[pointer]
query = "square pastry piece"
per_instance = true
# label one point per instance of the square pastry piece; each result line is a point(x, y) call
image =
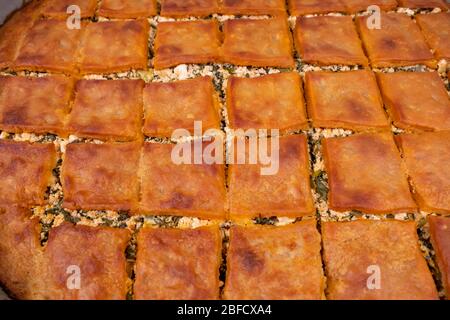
point(416, 4)
point(185, 189)
point(189, 8)
point(38, 105)
point(114, 46)
point(353, 6)
point(349, 100)
point(365, 173)
point(280, 187)
point(267, 262)
point(254, 7)
point(177, 105)
point(186, 42)
point(49, 46)
point(268, 102)
point(101, 176)
point(427, 158)
point(398, 42)
point(326, 40)
point(375, 260)
point(440, 239)
point(176, 264)
point(127, 9)
point(96, 254)
point(436, 29)
point(302, 7)
point(416, 100)
point(107, 109)
point(25, 172)
point(58, 8)
point(259, 43)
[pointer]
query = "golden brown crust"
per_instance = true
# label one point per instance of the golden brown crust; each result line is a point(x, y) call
point(427, 157)
point(352, 250)
point(37, 105)
point(98, 252)
point(423, 4)
point(49, 46)
point(285, 193)
point(183, 103)
point(416, 100)
point(114, 46)
point(399, 42)
point(20, 252)
point(348, 100)
point(176, 264)
point(364, 173)
point(101, 176)
point(268, 102)
point(58, 8)
point(353, 6)
point(25, 172)
point(107, 109)
point(435, 29)
point(186, 8)
point(120, 9)
point(186, 189)
point(328, 40)
point(13, 31)
point(267, 262)
point(254, 7)
point(302, 7)
point(259, 43)
point(186, 42)
point(440, 239)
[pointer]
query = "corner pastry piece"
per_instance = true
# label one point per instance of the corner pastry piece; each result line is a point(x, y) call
point(107, 109)
point(440, 239)
point(254, 7)
point(186, 42)
point(176, 264)
point(326, 40)
point(435, 28)
point(415, 4)
point(398, 42)
point(416, 100)
point(268, 102)
point(38, 105)
point(177, 105)
point(282, 190)
point(187, 189)
point(348, 100)
point(365, 174)
point(95, 254)
point(13, 31)
point(58, 8)
point(101, 176)
point(20, 253)
point(427, 157)
point(259, 43)
point(375, 260)
point(114, 46)
point(187, 8)
point(302, 7)
point(25, 171)
point(267, 262)
point(49, 46)
point(121, 9)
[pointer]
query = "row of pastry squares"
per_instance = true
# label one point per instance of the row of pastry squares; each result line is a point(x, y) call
point(114, 109)
point(363, 259)
point(114, 46)
point(120, 9)
point(367, 172)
